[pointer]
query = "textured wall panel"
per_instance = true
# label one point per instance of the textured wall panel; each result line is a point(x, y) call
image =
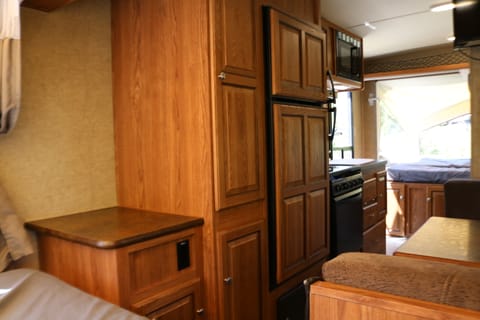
point(60, 157)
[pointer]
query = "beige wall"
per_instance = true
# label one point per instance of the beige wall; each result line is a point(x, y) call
point(60, 157)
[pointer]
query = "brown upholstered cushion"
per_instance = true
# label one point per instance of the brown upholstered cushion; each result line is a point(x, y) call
point(420, 279)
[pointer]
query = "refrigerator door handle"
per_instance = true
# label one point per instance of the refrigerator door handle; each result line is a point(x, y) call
point(331, 99)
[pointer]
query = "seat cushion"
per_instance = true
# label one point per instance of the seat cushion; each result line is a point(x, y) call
point(432, 281)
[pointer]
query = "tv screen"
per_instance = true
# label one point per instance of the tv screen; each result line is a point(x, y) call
point(466, 23)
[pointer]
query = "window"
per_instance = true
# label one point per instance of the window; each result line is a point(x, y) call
point(343, 136)
point(424, 117)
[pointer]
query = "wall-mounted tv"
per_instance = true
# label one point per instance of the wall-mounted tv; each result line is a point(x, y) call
point(466, 23)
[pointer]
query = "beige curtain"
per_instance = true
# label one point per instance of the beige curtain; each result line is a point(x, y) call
point(9, 64)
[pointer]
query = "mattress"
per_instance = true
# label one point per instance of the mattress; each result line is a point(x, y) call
point(429, 170)
point(32, 294)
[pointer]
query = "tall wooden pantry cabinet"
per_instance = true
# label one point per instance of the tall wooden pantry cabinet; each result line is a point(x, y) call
point(189, 116)
point(189, 133)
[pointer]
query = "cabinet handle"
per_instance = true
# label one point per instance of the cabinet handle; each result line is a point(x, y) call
point(429, 199)
point(227, 280)
point(222, 75)
point(200, 311)
point(401, 197)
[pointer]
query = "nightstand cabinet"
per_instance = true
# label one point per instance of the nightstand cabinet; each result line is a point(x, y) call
point(147, 262)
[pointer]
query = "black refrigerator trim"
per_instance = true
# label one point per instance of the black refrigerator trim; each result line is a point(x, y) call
point(270, 100)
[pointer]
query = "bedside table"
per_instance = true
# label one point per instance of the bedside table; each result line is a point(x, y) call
point(147, 262)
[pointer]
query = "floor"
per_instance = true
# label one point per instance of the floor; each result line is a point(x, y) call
point(393, 243)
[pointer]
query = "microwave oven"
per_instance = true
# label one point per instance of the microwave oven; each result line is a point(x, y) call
point(348, 62)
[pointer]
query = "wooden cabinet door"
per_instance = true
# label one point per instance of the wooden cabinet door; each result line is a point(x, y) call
point(239, 143)
point(417, 206)
point(239, 106)
point(301, 188)
point(238, 28)
point(436, 200)
point(240, 270)
point(395, 219)
point(297, 58)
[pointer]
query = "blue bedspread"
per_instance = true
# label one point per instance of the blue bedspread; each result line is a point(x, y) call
point(429, 170)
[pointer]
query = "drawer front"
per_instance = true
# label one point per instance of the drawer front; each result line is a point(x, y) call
point(161, 263)
point(369, 192)
point(374, 238)
point(370, 216)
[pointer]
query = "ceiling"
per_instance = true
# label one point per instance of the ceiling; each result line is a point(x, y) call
point(400, 24)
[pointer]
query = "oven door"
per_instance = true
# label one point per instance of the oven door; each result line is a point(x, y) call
point(346, 227)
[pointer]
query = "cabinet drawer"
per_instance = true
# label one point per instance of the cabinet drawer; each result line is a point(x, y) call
point(374, 238)
point(163, 262)
point(369, 192)
point(370, 216)
point(181, 302)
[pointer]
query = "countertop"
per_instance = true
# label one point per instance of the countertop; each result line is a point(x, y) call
point(114, 227)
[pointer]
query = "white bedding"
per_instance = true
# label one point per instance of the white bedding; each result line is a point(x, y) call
point(32, 294)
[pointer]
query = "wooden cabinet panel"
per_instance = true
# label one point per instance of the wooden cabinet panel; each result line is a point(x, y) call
point(241, 273)
point(369, 191)
point(317, 219)
point(370, 216)
point(182, 304)
point(381, 190)
point(314, 63)
point(374, 238)
point(236, 24)
point(182, 309)
point(373, 202)
point(239, 143)
point(315, 150)
point(301, 188)
point(436, 195)
point(293, 154)
point(290, 236)
point(417, 212)
point(307, 10)
point(395, 220)
point(419, 201)
point(297, 58)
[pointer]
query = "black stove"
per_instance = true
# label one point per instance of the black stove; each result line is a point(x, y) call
point(346, 184)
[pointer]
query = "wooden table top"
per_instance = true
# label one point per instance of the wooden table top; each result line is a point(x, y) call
point(445, 239)
point(113, 227)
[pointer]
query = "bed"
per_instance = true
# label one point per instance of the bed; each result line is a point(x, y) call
point(415, 191)
point(33, 294)
point(429, 170)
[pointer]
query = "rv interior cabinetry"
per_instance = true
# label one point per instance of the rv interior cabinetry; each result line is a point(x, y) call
point(342, 83)
point(411, 204)
point(115, 254)
point(374, 207)
point(298, 58)
point(189, 132)
point(301, 188)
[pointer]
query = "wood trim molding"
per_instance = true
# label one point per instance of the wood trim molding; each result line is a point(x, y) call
point(417, 72)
